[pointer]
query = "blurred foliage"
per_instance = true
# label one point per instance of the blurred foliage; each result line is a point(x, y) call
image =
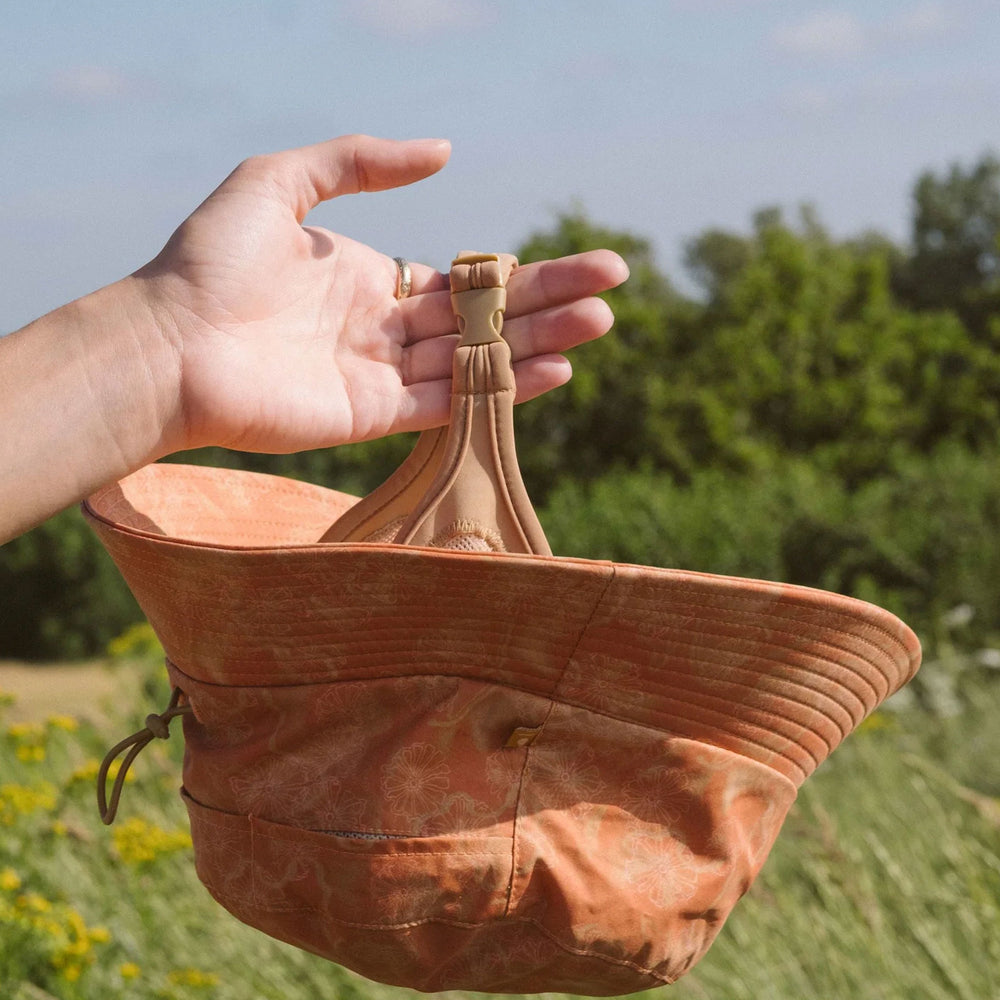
point(955, 263)
point(62, 595)
point(919, 540)
point(827, 412)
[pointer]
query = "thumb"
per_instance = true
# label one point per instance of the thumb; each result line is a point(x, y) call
point(347, 165)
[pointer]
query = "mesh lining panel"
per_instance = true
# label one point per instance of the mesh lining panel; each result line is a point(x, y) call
point(468, 536)
point(387, 532)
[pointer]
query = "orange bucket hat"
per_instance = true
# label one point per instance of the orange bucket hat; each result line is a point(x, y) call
point(421, 746)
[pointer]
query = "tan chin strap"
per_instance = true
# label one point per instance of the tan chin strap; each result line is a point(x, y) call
point(461, 487)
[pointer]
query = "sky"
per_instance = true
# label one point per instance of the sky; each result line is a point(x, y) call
point(659, 117)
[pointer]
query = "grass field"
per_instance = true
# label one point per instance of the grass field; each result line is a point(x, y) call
point(884, 884)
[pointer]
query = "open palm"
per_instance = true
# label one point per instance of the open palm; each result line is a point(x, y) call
point(291, 337)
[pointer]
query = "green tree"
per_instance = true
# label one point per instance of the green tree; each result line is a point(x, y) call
point(615, 412)
point(955, 261)
point(62, 595)
point(803, 349)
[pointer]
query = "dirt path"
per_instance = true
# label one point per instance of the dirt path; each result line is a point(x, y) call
point(43, 689)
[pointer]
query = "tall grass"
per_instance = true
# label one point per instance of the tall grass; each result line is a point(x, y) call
point(884, 884)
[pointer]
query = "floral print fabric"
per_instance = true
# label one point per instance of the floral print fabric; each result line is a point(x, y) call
point(490, 772)
point(395, 813)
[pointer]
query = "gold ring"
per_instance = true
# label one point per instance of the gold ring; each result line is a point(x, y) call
point(405, 281)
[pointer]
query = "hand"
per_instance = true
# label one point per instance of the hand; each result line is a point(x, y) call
point(288, 337)
point(253, 331)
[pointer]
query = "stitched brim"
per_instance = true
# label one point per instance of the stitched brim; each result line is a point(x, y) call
point(224, 565)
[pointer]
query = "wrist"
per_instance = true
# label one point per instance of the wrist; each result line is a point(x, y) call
point(132, 354)
point(88, 394)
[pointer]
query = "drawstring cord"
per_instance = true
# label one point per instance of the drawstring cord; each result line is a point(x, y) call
point(157, 727)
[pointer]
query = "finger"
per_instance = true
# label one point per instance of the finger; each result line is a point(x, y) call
point(531, 288)
point(540, 374)
point(549, 332)
point(553, 282)
point(553, 331)
point(352, 163)
point(428, 404)
point(424, 280)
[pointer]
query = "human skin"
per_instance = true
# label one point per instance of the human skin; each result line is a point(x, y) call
point(252, 331)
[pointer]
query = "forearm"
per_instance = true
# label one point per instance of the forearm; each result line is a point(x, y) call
point(88, 393)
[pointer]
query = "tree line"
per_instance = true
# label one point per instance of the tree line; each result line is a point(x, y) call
point(825, 411)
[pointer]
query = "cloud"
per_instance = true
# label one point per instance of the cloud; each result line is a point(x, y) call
point(838, 34)
point(708, 6)
point(823, 33)
point(90, 84)
point(412, 18)
point(924, 20)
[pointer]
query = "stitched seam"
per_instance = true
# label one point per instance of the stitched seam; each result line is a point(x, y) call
point(586, 953)
point(758, 613)
point(224, 819)
point(161, 540)
point(526, 770)
point(204, 626)
point(688, 645)
point(237, 900)
point(395, 496)
point(583, 632)
point(515, 839)
point(604, 713)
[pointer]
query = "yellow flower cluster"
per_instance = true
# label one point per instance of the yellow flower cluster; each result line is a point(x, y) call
point(22, 800)
point(192, 977)
point(29, 741)
point(137, 641)
point(67, 723)
point(877, 722)
point(64, 936)
point(10, 881)
point(86, 773)
point(137, 842)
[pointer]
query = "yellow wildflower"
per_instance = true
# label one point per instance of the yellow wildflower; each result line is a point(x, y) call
point(56, 928)
point(34, 902)
point(25, 731)
point(10, 881)
point(29, 739)
point(138, 842)
point(136, 641)
point(88, 770)
point(71, 972)
point(59, 828)
point(67, 723)
point(877, 722)
point(129, 970)
point(192, 977)
point(22, 800)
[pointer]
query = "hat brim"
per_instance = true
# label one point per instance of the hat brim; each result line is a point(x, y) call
point(226, 567)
